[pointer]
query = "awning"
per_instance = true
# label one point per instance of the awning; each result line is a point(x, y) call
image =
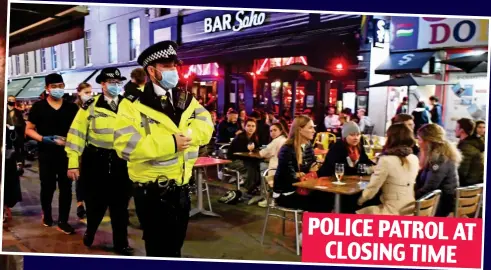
point(265, 45)
point(74, 78)
point(406, 62)
point(33, 89)
point(125, 72)
point(15, 86)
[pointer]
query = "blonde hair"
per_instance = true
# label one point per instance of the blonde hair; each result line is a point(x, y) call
point(294, 137)
point(437, 146)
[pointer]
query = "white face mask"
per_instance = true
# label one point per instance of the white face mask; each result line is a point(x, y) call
point(84, 98)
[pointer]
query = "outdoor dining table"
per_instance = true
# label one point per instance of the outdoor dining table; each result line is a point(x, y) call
point(351, 186)
point(251, 162)
point(204, 162)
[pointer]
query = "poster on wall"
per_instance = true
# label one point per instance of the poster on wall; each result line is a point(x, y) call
point(466, 99)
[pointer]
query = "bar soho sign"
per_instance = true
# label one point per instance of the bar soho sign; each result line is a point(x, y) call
point(238, 23)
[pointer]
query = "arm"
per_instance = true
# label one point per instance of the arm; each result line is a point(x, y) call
point(286, 162)
point(269, 151)
point(376, 181)
point(201, 126)
point(132, 144)
point(31, 123)
point(327, 168)
point(433, 181)
point(76, 138)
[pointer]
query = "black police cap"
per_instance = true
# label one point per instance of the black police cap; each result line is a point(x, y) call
point(162, 52)
point(109, 73)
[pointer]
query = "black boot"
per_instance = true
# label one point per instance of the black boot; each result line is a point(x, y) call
point(88, 239)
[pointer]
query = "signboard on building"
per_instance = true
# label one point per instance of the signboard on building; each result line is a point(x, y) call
point(379, 33)
point(236, 23)
point(419, 33)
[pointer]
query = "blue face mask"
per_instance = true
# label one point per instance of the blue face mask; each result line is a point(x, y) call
point(57, 93)
point(113, 89)
point(170, 78)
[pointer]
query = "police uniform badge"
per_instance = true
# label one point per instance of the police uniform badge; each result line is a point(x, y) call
point(183, 97)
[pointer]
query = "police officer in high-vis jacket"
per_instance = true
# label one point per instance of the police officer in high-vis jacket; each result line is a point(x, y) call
point(159, 134)
point(105, 175)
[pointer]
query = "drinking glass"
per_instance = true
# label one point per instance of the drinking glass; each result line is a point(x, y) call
point(250, 146)
point(362, 170)
point(339, 171)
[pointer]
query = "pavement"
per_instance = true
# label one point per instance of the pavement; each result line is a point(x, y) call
point(235, 235)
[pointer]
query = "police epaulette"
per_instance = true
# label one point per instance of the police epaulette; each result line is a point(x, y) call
point(131, 96)
point(87, 103)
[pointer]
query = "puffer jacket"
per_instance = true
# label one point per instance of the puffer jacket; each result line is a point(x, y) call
point(286, 172)
point(471, 170)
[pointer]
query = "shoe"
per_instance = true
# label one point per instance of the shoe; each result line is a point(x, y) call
point(254, 200)
point(88, 239)
point(65, 228)
point(126, 251)
point(81, 212)
point(47, 222)
point(241, 182)
point(232, 180)
point(263, 203)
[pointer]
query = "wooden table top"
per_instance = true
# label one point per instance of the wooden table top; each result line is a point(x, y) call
point(254, 154)
point(208, 161)
point(325, 184)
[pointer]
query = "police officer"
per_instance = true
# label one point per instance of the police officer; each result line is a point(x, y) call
point(105, 176)
point(159, 134)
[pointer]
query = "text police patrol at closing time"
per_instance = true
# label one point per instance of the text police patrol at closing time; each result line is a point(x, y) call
point(225, 22)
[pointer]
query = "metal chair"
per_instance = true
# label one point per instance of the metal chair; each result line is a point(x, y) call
point(428, 204)
point(271, 206)
point(468, 201)
point(223, 153)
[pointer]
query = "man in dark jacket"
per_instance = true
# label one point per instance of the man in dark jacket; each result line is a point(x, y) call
point(436, 111)
point(471, 170)
point(228, 128)
point(15, 130)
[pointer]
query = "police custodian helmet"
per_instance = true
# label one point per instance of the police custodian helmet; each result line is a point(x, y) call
point(162, 52)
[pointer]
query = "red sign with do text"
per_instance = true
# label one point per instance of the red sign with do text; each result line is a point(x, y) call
point(392, 240)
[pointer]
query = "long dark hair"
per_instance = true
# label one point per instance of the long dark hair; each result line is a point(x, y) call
point(281, 128)
point(254, 135)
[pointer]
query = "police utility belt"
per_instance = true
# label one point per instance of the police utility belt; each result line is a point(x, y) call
point(162, 186)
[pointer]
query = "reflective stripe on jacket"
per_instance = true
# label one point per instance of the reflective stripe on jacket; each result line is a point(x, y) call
point(145, 138)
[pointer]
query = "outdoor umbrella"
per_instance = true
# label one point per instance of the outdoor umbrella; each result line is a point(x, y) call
point(470, 64)
point(410, 80)
point(295, 70)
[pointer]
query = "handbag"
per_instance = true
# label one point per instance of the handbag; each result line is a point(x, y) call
point(305, 191)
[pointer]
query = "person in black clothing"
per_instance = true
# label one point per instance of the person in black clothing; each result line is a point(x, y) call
point(228, 128)
point(436, 111)
point(421, 116)
point(350, 152)
point(403, 107)
point(471, 169)
point(15, 130)
point(262, 128)
point(48, 123)
point(439, 160)
point(407, 120)
point(246, 142)
point(295, 159)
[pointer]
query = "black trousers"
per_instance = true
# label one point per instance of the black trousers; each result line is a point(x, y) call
point(106, 184)
point(53, 168)
point(79, 190)
point(164, 219)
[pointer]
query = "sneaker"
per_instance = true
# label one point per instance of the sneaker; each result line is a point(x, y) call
point(242, 181)
point(233, 179)
point(254, 200)
point(81, 212)
point(47, 222)
point(263, 203)
point(65, 228)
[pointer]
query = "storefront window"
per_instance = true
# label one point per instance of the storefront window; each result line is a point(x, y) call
point(209, 69)
point(263, 65)
point(200, 80)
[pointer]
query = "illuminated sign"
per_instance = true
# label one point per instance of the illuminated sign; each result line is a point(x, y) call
point(379, 33)
point(240, 22)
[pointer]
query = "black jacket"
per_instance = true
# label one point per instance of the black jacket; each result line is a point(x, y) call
point(239, 144)
point(226, 131)
point(471, 170)
point(421, 118)
point(338, 153)
point(439, 174)
point(263, 133)
point(286, 172)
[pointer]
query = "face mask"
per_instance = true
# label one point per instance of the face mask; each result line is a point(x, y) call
point(113, 89)
point(11, 103)
point(170, 78)
point(57, 93)
point(84, 98)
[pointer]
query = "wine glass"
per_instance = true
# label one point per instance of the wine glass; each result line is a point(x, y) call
point(362, 170)
point(250, 146)
point(339, 171)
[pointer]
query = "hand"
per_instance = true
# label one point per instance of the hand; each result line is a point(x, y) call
point(238, 132)
point(73, 174)
point(60, 142)
point(300, 174)
point(360, 201)
point(182, 142)
point(49, 140)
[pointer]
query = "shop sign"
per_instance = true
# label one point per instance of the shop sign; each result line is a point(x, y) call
point(379, 33)
point(413, 33)
point(237, 23)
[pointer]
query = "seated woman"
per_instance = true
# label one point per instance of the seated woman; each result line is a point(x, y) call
point(350, 152)
point(439, 160)
point(395, 174)
point(295, 159)
point(241, 144)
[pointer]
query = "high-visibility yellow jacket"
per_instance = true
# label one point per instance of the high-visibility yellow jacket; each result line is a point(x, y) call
point(93, 125)
point(145, 138)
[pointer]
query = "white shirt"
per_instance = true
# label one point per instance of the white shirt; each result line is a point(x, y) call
point(109, 99)
point(364, 122)
point(272, 150)
point(159, 91)
point(332, 121)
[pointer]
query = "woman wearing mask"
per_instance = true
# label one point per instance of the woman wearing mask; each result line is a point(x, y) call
point(295, 159)
point(244, 142)
point(439, 160)
point(84, 92)
point(395, 174)
point(350, 152)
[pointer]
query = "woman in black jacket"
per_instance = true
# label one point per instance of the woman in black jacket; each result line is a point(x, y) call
point(295, 159)
point(439, 160)
point(350, 152)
